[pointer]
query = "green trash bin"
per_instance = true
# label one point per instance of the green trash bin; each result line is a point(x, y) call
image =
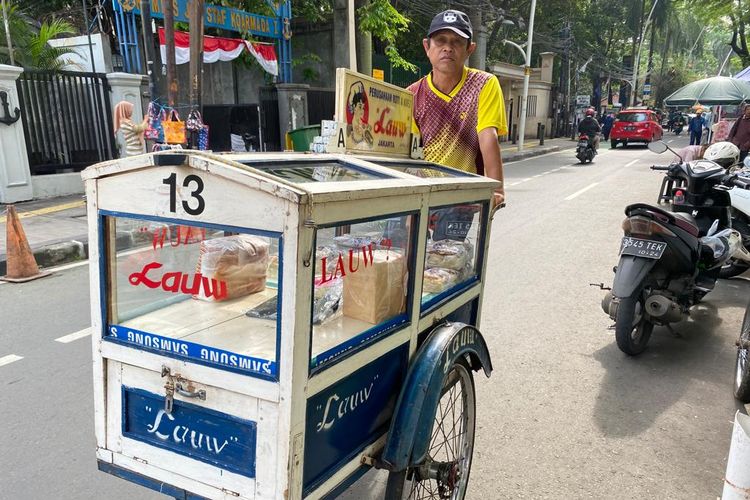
point(302, 137)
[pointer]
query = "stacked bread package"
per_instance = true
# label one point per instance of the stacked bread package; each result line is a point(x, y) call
point(377, 290)
point(240, 262)
point(447, 263)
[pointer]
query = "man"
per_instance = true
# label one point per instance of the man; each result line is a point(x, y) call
point(695, 126)
point(591, 128)
point(609, 120)
point(459, 111)
point(740, 133)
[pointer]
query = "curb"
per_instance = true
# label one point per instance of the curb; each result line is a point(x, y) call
point(532, 153)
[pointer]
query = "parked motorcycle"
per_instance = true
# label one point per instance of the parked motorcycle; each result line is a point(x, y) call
point(670, 260)
point(678, 129)
point(585, 151)
point(742, 364)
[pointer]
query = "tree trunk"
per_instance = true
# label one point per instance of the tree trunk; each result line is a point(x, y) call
point(364, 45)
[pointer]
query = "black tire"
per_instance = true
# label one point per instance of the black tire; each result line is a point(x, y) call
point(742, 363)
point(453, 472)
point(612, 144)
point(632, 329)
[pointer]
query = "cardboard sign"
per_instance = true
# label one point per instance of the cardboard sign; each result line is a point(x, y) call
point(377, 115)
point(378, 74)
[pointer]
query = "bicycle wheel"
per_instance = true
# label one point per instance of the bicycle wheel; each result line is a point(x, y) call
point(445, 472)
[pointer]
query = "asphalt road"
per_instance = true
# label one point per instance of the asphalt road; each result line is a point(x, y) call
point(565, 413)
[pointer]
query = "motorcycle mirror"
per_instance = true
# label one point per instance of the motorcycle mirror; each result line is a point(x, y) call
point(657, 147)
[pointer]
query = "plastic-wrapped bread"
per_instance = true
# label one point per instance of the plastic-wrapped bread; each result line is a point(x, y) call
point(437, 279)
point(238, 264)
point(447, 254)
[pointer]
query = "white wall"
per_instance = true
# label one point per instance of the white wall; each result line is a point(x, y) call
point(80, 60)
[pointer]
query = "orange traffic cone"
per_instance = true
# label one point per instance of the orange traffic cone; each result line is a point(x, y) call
point(21, 264)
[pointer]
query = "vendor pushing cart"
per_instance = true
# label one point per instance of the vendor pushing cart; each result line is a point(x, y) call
point(272, 326)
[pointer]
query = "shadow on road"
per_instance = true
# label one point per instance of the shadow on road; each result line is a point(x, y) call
point(636, 390)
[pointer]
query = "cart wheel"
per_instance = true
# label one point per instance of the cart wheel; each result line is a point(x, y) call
point(445, 472)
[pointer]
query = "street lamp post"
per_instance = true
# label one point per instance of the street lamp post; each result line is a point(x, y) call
point(633, 84)
point(526, 73)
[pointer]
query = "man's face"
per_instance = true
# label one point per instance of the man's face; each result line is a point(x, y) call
point(747, 112)
point(447, 51)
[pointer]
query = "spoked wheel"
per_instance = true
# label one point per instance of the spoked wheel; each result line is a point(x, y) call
point(445, 472)
point(632, 329)
point(742, 365)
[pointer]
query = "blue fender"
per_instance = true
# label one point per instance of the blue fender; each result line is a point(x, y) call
point(411, 425)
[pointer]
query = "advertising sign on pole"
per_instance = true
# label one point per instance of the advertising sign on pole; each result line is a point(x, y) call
point(583, 100)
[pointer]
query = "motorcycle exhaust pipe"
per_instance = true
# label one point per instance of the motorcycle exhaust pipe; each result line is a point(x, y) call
point(609, 305)
point(663, 309)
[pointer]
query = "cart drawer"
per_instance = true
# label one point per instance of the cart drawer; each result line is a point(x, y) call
point(209, 435)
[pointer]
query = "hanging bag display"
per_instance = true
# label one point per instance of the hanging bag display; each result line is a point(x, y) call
point(195, 121)
point(156, 115)
point(174, 129)
point(203, 138)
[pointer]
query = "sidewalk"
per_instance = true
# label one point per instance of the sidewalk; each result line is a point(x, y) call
point(57, 229)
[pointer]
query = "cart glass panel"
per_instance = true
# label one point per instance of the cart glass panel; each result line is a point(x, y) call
point(361, 283)
point(207, 293)
point(452, 253)
point(425, 170)
point(320, 171)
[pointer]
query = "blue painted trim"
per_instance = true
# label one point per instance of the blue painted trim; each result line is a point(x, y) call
point(411, 426)
point(250, 472)
point(383, 330)
point(152, 484)
point(104, 286)
point(346, 483)
point(442, 297)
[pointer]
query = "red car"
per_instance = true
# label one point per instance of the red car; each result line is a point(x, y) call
point(635, 125)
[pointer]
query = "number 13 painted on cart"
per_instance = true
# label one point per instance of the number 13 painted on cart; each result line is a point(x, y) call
point(171, 181)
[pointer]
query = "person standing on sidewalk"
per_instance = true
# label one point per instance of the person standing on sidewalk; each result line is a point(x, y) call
point(695, 126)
point(460, 112)
point(132, 132)
point(740, 133)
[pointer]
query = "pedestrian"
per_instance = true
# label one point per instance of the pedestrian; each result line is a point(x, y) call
point(695, 127)
point(609, 120)
point(132, 132)
point(740, 133)
point(459, 111)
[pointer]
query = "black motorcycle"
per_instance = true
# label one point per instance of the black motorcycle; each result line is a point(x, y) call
point(742, 365)
point(670, 260)
point(585, 151)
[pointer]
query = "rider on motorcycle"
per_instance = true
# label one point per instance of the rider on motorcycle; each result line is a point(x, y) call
point(591, 128)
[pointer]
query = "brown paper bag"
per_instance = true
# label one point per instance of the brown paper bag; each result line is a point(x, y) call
point(376, 291)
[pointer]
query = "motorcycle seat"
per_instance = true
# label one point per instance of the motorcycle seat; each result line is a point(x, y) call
point(686, 222)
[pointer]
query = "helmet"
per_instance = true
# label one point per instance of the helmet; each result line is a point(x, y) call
point(724, 153)
point(590, 112)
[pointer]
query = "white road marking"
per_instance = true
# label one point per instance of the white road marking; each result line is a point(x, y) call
point(632, 163)
point(10, 358)
point(670, 141)
point(581, 191)
point(74, 336)
point(535, 176)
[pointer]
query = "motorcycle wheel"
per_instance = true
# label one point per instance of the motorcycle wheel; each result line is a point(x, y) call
point(742, 364)
point(632, 329)
point(735, 267)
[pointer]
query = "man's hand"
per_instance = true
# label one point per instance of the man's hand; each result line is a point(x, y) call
point(498, 198)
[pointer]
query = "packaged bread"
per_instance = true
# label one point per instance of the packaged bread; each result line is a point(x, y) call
point(273, 267)
point(238, 264)
point(438, 279)
point(447, 254)
point(376, 291)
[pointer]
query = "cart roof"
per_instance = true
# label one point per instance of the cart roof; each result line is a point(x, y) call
point(296, 176)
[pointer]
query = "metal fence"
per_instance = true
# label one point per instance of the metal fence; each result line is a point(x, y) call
point(67, 120)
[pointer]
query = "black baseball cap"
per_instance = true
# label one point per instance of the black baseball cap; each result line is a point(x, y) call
point(453, 20)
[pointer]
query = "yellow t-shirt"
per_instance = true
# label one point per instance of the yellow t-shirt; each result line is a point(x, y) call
point(450, 123)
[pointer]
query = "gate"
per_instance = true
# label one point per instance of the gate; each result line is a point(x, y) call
point(67, 120)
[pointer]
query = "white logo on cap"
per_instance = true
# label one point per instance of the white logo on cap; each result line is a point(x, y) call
point(449, 17)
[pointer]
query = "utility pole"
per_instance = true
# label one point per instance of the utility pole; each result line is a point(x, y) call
point(352, 36)
point(169, 48)
point(526, 76)
point(196, 61)
point(7, 32)
point(88, 32)
point(148, 46)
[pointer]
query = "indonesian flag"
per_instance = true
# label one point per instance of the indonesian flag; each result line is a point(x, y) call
point(217, 48)
point(265, 54)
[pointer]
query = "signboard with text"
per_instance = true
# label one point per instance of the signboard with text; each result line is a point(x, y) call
point(377, 115)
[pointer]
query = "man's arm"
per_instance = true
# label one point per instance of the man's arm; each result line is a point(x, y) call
point(493, 162)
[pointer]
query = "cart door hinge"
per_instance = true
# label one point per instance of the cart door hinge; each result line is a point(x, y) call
point(141, 460)
point(230, 492)
point(373, 462)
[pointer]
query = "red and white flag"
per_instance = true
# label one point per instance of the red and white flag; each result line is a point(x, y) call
point(217, 48)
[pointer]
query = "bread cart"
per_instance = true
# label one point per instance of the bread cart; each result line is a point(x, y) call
point(272, 326)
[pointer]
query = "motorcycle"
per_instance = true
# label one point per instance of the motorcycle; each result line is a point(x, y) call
point(678, 128)
point(585, 151)
point(742, 363)
point(670, 260)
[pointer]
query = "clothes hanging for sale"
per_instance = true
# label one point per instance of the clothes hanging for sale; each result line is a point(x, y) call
point(217, 48)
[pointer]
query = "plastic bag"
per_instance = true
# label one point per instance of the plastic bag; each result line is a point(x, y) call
point(326, 300)
point(233, 266)
point(448, 254)
point(438, 279)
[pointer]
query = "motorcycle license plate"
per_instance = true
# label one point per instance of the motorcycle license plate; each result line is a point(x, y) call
point(642, 248)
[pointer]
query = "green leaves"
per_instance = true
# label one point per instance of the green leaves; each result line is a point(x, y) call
point(381, 19)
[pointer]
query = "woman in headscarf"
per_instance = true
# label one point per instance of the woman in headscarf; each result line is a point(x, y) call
point(131, 132)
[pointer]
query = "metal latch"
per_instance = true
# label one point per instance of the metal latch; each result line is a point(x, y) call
point(183, 386)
